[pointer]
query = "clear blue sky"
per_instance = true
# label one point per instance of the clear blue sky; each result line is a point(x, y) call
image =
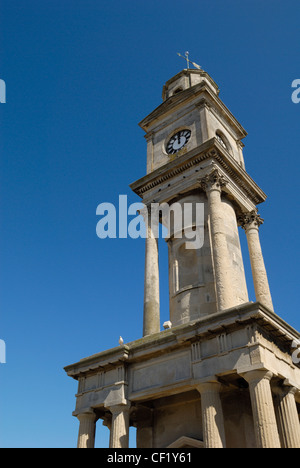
point(80, 75)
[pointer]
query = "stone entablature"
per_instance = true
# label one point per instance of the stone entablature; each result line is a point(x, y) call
point(192, 165)
point(226, 345)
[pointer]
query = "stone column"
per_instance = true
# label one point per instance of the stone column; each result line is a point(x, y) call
point(287, 416)
point(265, 426)
point(250, 222)
point(212, 415)
point(151, 323)
point(87, 430)
point(213, 184)
point(119, 433)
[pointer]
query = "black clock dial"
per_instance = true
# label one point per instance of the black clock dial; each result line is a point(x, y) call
point(178, 141)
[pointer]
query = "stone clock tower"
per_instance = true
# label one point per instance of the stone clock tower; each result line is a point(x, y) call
point(222, 372)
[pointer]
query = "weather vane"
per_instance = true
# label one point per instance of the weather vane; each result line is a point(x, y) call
point(188, 61)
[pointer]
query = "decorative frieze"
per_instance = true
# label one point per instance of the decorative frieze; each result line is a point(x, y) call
point(223, 345)
point(193, 159)
point(100, 379)
point(196, 351)
point(81, 384)
point(122, 374)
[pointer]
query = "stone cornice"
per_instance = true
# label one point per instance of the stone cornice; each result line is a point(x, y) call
point(189, 94)
point(189, 71)
point(110, 358)
point(211, 149)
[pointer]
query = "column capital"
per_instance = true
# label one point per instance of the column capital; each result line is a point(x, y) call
point(121, 408)
point(250, 220)
point(209, 385)
point(89, 415)
point(214, 181)
point(257, 375)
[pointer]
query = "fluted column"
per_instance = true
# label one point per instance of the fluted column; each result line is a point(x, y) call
point(265, 426)
point(287, 416)
point(119, 433)
point(213, 184)
point(250, 222)
point(151, 322)
point(212, 415)
point(87, 430)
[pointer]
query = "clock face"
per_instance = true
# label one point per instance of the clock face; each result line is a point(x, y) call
point(178, 141)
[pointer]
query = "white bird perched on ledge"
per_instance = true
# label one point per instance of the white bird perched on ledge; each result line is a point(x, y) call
point(121, 341)
point(167, 325)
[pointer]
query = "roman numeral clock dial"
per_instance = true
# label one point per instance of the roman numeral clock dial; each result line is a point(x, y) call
point(178, 141)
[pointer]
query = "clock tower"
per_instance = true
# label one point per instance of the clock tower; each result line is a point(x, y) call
point(195, 158)
point(223, 372)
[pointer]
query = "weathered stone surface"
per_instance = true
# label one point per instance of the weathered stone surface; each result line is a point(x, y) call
point(212, 414)
point(161, 371)
point(208, 379)
point(287, 416)
point(87, 429)
point(265, 426)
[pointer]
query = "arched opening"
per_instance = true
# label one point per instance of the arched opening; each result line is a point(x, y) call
point(178, 90)
point(222, 140)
